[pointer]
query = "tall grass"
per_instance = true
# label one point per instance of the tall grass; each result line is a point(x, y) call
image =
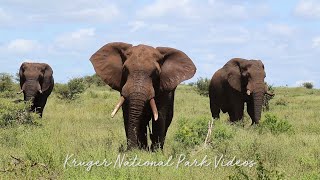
point(84, 128)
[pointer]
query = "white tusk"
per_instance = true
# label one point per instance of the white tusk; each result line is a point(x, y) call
point(40, 91)
point(248, 92)
point(20, 92)
point(154, 109)
point(114, 112)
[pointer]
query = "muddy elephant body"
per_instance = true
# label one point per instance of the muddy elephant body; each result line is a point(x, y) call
point(238, 82)
point(146, 78)
point(36, 83)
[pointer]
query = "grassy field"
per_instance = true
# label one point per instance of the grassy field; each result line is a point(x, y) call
point(285, 146)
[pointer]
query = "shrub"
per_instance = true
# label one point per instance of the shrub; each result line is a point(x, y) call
point(12, 114)
point(202, 86)
point(191, 132)
point(6, 82)
point(276, 125)
point(281, 102)
point(267, 98)
point(308, 85)
point(93, 80)
point(222, 132)
point(6, 86)
point(71, 90)
point(264, 173)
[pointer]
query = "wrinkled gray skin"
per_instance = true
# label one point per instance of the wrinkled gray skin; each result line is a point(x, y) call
point(36, 83)
point(142, 74)
point(239, 81)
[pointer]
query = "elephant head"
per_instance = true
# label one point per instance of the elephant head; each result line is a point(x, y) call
point(35, 79)
point(140, 73)
point(247, 77)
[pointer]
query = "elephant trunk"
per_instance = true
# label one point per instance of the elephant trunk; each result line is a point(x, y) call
point(31, 88)
point(136, 106)
point(257, 101)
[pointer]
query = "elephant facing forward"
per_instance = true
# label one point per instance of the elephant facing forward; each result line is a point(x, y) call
point(239, 81)
point(146, 78)
point(36, 83)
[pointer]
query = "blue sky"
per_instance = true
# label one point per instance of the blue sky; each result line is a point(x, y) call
point(284, 34)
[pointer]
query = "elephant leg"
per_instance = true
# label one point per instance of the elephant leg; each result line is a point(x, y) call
point(40, 103)
point(250, 110)
point(165, 104)
point(215, 110)
point(236, 113)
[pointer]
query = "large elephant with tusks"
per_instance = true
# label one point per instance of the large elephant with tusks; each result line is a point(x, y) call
point(146, 78)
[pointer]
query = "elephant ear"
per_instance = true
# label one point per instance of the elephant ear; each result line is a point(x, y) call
point(47, 77)
point(22, 79)
point(233, 69)
point(176, 67)
point(108, 62)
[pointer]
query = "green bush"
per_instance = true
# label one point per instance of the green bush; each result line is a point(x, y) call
point(222, 132)
point(281, 102)
point(71, 90)
point(191, 132)
point(6, 82)
point(93, 80)
point(266, 174)
point(6, 86)
point(202, 86)
point(12, 114)
point(276, 125)
point(261, 172)
point(267, 98)
point(308, 85)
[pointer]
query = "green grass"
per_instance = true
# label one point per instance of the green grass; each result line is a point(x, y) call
point(84, 128)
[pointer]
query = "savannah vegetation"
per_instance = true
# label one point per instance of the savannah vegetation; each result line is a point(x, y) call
point(285, 145)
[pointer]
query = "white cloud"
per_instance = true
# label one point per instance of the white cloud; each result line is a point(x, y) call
point(196, 10)
point(165, 7)
point(280, 29)
point(136, 25)
point(142, 25)
point(76, 40)
point(23, 46)
point(316, 42)
point(308, 8)
point(103, 14)
point(4, 17)
point(228, 35)
point(62, 11)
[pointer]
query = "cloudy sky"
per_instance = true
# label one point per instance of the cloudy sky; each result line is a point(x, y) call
point(284, 34)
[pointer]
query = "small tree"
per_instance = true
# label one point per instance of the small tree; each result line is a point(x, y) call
point(6, 82)
point(71, 90)
point(308, 85)
point(202, 86)
point(93, 80)
point(267, 97)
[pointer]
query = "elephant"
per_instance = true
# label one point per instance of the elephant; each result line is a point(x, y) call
point(239, 81)
point(146, 78)
point(36, 83)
